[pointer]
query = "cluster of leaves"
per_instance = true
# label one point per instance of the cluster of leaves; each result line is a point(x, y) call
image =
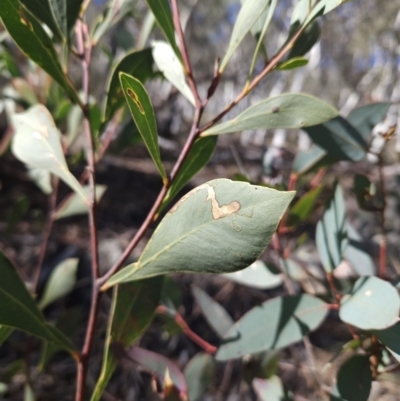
point(219, 227)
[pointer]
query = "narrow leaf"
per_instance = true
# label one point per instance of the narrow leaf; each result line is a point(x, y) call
point(257, 275)
point(372, 304)
point(283, 111)
point(37, 143)
point(114, 12)
point(32, 39)
point(60, 283)
point(19, 310)
point(339, 139)
point(219, 227)
point(169, 64)
point(216, 315)
point(200, 375)
point(132, 310)
point(323, 7)
point(275, 324)
point(143, 114)
point(138, 64)
point(331, 234)
point(59, 8)
point(199, 155)
point(366, 117)
point(354, 379)
point(163, 16)
point(247, 17)
point(75, 205)
point(271, 389)
point(293, 63)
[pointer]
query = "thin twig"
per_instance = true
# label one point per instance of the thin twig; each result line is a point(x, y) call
point(46, 234)
point(268, 68)
point(85, 49)
point(184, 52)
point(207, 347)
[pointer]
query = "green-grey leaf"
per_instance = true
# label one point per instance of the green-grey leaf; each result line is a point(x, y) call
point(216, 315)
point(357, 255)
point(372, 304)
point(65, 13)
point(199, 155)
point(257, 275)
point(32, 39)
point(283, 111)
point(139, 64)
point(37, 143)
point(323, 7)
point(331, 234)
point(162, 13)
point(275, 324)
point(301, 10)
point(293, 63)
point(143, 114)
point(366, 117)
point(354, 379)
point(75, 205)
point(219, 227)
point(314, 158)
point(339, 139)
point(271, 389)
point(248, 15)
point(132, 310)
point(200, 375)
point(19, 310)
point(60, 283)
point(390, 338)
point(169, 64)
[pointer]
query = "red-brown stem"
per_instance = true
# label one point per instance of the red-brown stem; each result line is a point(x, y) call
point(207, 347)
point(268, 68)
point(337, 296)
point(85, 49)
point(184, 52)
point(318, 177)
point(46, 234)
point(332, 285)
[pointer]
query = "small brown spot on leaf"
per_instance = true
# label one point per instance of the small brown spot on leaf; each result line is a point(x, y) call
point(24, 20)
point(135, 98)
point(275, 110)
